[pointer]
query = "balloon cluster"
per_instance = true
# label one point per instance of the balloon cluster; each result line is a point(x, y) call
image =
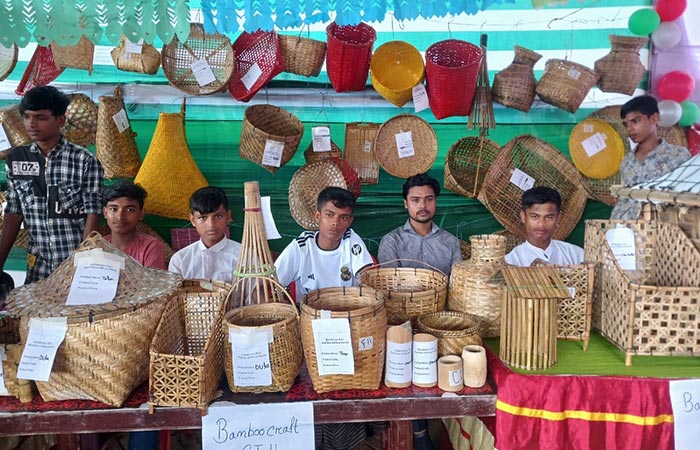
point(675, 87)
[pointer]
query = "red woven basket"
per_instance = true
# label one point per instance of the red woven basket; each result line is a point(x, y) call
point(451, 69)
point(40, 71)
point(261, 48)
point(348, 55)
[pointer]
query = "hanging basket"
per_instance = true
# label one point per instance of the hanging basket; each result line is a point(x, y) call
point(40, 71)
point(451, 70)
point(621, 70)
point(467, 161)
point(453, 330)
point(13, 125)
point(393, 159)
point(312, 156)
point(145, 60)
point(77, 56)
point(302, 56)
point(81, 120)
point(395, 68)
point(514, 86)
point(565, 84)
point(8, 59)
point(348, 55)
point(116, 150)
point(359, 150)
point(258, 60)
point(267, 122)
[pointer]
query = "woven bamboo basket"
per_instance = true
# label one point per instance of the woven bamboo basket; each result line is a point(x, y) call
point(410, 292)
point(178, 57)
point(364, 309)
point(116, 335)
point(621, 70)
point(254, 53)
point(8, 59)
point(77, 56)
point(512, 241)
point(468, 160)
point(669, 208)
point(142, 227)
point(22, 239)
point(281, 322)
point(81, 120)
point(311, 156)
point(488, 250)
point(359, 150)
point(395, 68)
point(453, 330)
point(40, 71)
point(310, 180)
point(450, 183)
point(302, 56)
point(548, 167)
point(348, 55)
point(116, 151)
point(653, 309)
point(266, 122)
point(147, 61)
point(565, 84)
point(514, 86)
point(477, 290)
point(10, 344)
point(424, 145)
point(13, 125)
point(186, 357)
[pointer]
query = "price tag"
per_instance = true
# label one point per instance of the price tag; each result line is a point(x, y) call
point(621, 242)
point(121, 120)
point(455, 377)
point(685, 401)
point(202, 72)
point(594, 144)
point(272, 155)
point(367, 148)
point(573, 73)
point(4, 140)
point(3, 357)
point(572, 291)
point(404, 144)
point(366, 343)
point(420, 98)
point(251, 76)
point(43, 339)
point(321, 139)
point(133, 47)
point(522, 180)
point(334, 354)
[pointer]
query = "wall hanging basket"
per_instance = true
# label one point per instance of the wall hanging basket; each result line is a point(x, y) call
point(311, 156)
point(213, 49)
point(146, 60)
point(395, 68)
point(514, 86)
point(116, 149)
point(453, 330)
point(393, 157)
point(302, 56)
point(12, 123)
point(451, 70)
point(348, 55)
point(8, 59)
point(621, 70)
point(257, 59)
point(77, 56)
point(565, 84)
point(267, 122)
point(81, 120)
point(40, 71)
point(548, 167)
point(360, 152)
point(596, 149)
point(467, 162)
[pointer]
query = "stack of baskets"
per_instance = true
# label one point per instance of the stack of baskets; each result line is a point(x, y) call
point(348, 55)
point(263, 123)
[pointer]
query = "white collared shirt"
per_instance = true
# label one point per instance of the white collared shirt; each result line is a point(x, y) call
point(216, 262)
point(558, 252)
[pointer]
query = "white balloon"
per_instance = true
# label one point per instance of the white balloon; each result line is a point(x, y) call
point(670, 113)
point(667, 35)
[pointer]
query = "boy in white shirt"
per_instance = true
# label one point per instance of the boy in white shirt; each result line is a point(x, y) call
point(541, 216)
point(213, 256)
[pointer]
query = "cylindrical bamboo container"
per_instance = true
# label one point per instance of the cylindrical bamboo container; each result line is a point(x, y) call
point(425, 357)
point(399, 357)
point(450, 373)
point(474, 365)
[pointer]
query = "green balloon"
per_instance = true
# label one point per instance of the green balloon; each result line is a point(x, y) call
point(643, 22)
point(691, 114)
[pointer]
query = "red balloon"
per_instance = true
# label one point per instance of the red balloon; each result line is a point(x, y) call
point(670, 10)
point(676, 86)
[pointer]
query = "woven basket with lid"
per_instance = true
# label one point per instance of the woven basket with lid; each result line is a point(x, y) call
point(565, 84)
point(424, 145)
point(621, 70)
point(515, 85)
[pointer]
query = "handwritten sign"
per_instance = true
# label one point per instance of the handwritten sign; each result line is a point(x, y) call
point(522, 180)
point(399, 357)
point(251, 356)
point(4, 140)
point(333, 346)
point(121, 120)
point(367, 148)
point(685, 401)
point(3, 357)
point(202, 72)
point(278, 426)
point(621, 242)
point(43, 339)
point(321, 141)
point(404, 144)
point(251, 76)
point(94, 282)
point(420, 98)
point(272, 155)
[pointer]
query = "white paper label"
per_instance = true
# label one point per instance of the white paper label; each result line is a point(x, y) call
point(251, 76)
point(43, 339)
point(455, 377)
point(404, 144)
point(265, 426)
point(594, 144)
point(365, 343)
point(685, 401)
point(573, 73)
point(3, 357)
point(202, 72)
point(94, 282)
point(367, 147)
point(272, 155)
point(4, 140)
point(251, 364)
point(121, 120)
point(133, 47)
point(425, 357)
point(334, 354)
point(572, 291)
point(522, 180)
point(587, 128)
point(621, 242)
point(269, 221)
point(399, 365)
point(420, 98)
point(321, 141)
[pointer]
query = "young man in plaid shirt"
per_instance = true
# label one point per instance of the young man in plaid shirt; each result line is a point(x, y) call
point(54, 186)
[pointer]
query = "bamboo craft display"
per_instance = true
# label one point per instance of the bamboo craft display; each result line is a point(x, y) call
point(481, 115)
point(116, 149)
point(453, 330)
point(147, 60)
point(529, 316)
point(359, 150)
point(514, 86)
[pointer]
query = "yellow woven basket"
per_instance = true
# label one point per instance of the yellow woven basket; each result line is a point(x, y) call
point(395, 68)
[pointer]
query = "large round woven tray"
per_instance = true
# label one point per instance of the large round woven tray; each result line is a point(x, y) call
point(13, 125)
point(310, 180)
point(596, 149)
point(468, 160)
point(395, 68)
point(81, 120)
point(178, 58)
point(424, 146)
point(453, 330)
point(267, 122)
point(548, 167)
point(565, 84)
point(8, 59)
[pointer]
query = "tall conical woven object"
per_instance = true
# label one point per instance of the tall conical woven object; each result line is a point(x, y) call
point(169, 173)
point(116, 149)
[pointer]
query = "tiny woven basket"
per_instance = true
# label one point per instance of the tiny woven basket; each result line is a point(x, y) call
point(267, 122)
point(364, 308)
point(514, 86)
point(13, 125)
point(359, 150)
point(395, 68)
point(452, 329)
point(548, 167)
point(77, 56)
point(410, 292)
point(116, 151)
point(387, 150)
point(565, 84)
point(8, 59)
point(257, 60)
point(311, 156)
point(348, 55)
point(302, 56)
point(467, 162)
point(148, 61)
point(81, 120)
point(621, 70)
point(178, 58)
point(451, 71)
point(477, 290)
point(482, 255)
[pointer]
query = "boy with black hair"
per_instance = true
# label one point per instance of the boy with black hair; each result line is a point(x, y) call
point(540, 215)
point(214, 256)
point(650, 158)
point(53, 185)
point(123, 210)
